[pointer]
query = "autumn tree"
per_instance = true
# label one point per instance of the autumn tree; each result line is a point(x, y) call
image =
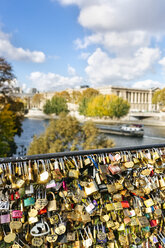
point(10, 108)
point(159, 97)
point(85, 98)
point(56, 105)
point(76, 96)
point(67, 134)
point(7, 131)
point(36, 99)
point(107, 105)
point(65, 94)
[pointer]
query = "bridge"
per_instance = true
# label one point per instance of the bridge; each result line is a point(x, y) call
point(145, 115)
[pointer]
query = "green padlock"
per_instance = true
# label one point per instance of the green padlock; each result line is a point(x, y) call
point(30, 201)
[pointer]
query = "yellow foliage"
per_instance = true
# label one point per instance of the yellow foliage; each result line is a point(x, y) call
point(107, 105)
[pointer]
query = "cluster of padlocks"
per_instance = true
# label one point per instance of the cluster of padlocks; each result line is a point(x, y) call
point(99, 200)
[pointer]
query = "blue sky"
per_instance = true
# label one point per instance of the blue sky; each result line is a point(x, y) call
point(58, 44)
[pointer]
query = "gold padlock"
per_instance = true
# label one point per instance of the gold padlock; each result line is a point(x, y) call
point(91, 188)
point(162, 183)
point(52, 204)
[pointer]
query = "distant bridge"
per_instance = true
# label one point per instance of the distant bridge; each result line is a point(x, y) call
point(144, 115)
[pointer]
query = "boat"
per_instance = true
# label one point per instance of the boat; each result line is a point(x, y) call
point(134, 130)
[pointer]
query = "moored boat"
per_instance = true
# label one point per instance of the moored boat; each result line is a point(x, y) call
point(134, 130)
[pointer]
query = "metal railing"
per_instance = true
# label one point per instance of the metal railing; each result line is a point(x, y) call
point(79, 153)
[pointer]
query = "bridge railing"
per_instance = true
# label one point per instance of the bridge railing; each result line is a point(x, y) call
point(79, 153)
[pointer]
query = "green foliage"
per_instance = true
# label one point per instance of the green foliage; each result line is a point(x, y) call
point(159, 97)
point(107, 105)
point(56, 105)
point(47, 107)
point(67, 134)
point(85, 98)
point(83, 106)
point(120, 107)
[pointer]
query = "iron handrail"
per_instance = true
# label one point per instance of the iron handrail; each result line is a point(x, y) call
point(79, 153)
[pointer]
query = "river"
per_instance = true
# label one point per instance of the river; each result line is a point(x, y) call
point(31, 127)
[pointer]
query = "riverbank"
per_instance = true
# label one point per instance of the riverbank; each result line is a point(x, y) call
point(150, 122)
point(38, 114)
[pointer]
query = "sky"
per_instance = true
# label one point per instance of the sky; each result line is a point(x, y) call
point(57, 44)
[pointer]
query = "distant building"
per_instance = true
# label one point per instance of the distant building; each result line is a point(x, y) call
point(17, 90)
point(33, 91)
point(139, 99)
point(84, 86)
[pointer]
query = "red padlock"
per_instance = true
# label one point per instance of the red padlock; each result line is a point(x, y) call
point(42, 211)
point(125, 204)
point(17, 195)
point(12, 197)
point(153, 223)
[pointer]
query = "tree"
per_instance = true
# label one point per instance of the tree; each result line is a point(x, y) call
point(85, 98)
point(6, 76)
point(67, 134)
point(159, 97)
point(36, 99)
point(56, 105)
point(120, 107)
point(65, 94)
point(98, 106)
point(11, 108)
point(107, 105)
point(7, 131)
point(76, 96)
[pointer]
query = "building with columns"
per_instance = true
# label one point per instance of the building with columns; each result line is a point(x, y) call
point(139, 99)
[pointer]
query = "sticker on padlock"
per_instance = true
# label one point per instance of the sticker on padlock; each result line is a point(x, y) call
point(17, 214)
point(30, 201)
point(4, 205)
point(51, 184)
point(4, 218)
point(90, 208)
point(114, 169)
point(149, 203)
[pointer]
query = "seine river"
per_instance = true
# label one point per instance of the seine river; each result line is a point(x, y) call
point(31, 127)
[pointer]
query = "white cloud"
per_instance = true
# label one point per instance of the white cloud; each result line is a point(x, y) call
point(8, 50)
point(162, 62)
point(71, 71)
point(104, 69)
point(121, 26)
point(124, 32)
point(147, 84)
point(120, 15)
point(53, 82)
point(119, 43)
point(84, 55)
